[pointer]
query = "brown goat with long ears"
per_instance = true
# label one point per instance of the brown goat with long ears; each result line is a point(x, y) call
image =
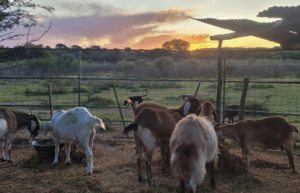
point(154, 126)
point(207, 109)
point(268, 133)
point(193, 144)
point(13, 121)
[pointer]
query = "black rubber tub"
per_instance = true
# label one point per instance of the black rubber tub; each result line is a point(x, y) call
point(45, 149)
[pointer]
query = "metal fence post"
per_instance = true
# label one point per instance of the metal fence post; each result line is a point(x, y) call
point(50, 101)
point(218, 101)
point(79, 74)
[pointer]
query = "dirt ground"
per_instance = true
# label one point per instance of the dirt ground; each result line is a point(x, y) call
point(115, 170)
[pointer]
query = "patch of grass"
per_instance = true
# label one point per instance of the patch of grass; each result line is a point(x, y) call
point(83, 89)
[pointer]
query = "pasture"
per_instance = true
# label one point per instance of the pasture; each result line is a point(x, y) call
point(271, 91)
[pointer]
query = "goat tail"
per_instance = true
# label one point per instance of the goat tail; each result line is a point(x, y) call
point(132, 126)
point(295, 129)
point(99, 122)
point(144, 95)
point(183, 154)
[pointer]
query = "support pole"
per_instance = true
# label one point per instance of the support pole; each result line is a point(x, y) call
point(116, 95)
point(79, 76)
point(243, 99)
point(219, 63)
point(50, 101)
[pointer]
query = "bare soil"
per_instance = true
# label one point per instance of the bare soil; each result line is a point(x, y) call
point(115, 170)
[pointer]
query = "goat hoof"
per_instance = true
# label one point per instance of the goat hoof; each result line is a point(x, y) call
point(152, 183)
point(54, 164)
point(140, 179)
point(3, 160)
point(10, 161)
point(68, 163)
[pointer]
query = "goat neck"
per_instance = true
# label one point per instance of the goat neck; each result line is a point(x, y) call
point(227, 132)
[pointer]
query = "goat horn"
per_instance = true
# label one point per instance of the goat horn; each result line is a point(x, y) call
point(185, 95)
point(197, 89)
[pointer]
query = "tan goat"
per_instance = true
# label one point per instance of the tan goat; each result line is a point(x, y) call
point(268, 133)
point(193, 144)
point(208, 109)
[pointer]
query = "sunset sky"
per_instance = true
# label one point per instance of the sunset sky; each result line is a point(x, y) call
point(147, 24)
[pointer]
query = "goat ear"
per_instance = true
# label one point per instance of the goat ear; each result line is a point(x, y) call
point(198, 111)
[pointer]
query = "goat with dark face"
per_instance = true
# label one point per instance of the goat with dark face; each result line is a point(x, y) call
point(134, 99)
point(11, 122)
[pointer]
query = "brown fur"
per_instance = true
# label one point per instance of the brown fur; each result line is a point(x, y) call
point(268, 133)
point(208, 109)
point(15, 122)
point(231, 114)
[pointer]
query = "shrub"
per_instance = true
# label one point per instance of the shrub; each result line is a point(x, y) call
point(100, 101)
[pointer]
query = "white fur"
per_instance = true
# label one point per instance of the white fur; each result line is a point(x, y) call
point(3, 132)
point(75, 126)
point(46, 127)
point(186, 109)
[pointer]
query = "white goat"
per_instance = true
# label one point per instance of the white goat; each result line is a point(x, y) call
point(75, 126)
point(46, 127)
point(193, 144)
point(268, 133)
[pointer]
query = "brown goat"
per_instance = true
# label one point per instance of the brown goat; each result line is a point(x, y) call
point(193, 144)
point(208, 109)
point(268, 133)
point(153, 128)
point(15, 121)
point(231, 114)
point(190, 105)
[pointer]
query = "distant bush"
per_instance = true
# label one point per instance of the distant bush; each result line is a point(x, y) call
point(100, 101)
point(254, 106)
point(263, 86)
point(156, 85)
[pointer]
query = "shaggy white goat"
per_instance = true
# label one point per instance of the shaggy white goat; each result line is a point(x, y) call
point(268, 133)
point(75, 126)
point(193, 144)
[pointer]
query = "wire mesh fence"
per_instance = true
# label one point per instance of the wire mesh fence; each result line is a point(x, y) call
point(87, 77)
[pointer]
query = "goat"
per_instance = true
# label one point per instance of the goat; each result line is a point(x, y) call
point(46, 127)
point(75, 126)
point(267, 133)
point(153, 128)
point(13, 121)
point(193, 144)
point(190, 105)
point(134, 99)
point(231, 114)
point(207, 109)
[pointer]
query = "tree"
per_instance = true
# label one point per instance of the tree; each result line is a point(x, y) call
point(76, 47)
point(176, 45)
point(18, 13)
point(61, 46)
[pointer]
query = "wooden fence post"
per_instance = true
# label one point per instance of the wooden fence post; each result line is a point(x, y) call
point(243, 99)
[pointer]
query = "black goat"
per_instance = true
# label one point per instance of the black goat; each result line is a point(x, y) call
point(134, 99)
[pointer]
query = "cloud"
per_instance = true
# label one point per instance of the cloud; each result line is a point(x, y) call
point(123, 30)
